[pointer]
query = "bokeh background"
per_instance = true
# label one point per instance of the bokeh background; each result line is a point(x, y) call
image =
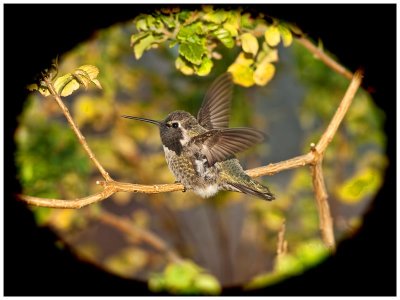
point(232, 236)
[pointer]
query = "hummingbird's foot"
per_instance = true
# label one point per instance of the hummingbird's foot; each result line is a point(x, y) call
point(184, 188)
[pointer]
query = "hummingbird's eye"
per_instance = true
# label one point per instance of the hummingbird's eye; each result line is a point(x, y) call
point(175, 124)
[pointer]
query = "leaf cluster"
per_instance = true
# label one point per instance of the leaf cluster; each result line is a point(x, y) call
point(198, 33)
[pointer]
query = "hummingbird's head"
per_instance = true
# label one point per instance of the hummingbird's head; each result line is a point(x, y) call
point(173, 129)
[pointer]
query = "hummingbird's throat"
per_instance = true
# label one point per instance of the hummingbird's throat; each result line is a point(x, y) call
point(185, 137)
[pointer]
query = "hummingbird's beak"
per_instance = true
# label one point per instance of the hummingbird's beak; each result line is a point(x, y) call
point(142, 119)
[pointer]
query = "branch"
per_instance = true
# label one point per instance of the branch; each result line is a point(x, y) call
point(76, 130)
point(125, 226)
point(326, 59)
point(324, 212)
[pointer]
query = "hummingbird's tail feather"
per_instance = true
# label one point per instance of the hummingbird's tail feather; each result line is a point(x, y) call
point(258, 190)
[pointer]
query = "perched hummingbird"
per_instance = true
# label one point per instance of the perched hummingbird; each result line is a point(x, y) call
point(201, 152)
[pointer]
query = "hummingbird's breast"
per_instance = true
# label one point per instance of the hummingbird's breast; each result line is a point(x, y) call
point(192, 171)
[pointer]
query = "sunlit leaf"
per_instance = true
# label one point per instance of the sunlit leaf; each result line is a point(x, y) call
point(242, 74)
point(232, 24)
point(243, 59)
point(207, 284)
point(272, 36)
point(141, 23)
point(183, 66)
point(66, 85)
point(168, 20)
point(216, 17)
point(205, 67)
point(225, 37)
point(249, 43)
point(142, 45)
point(137, 36)
point(286, 35)
point(190, 33)
point(192, 52)
point(264, 73)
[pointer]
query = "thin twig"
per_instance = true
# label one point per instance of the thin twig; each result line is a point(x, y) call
point(76, 130)
point(326, 59)
point(281, 245)
point(125, 226)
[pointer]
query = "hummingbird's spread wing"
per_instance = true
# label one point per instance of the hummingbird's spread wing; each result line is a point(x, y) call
point(214, 111)
point(219, 145)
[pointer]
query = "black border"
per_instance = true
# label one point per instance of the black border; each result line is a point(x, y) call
point(362, 35)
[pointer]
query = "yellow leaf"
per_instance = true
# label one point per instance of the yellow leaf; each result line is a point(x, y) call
point(181, 65)
point(286, 35)
point(268, 55)
point(272, 36)
point(364, 183)
point(65, 85)
point(264, 73)
point(242, 74)
point(242, 59)
point(249, 43)
point(92, 71)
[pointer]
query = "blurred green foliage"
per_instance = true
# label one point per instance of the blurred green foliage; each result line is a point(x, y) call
point(230, 239)
point(184, 278)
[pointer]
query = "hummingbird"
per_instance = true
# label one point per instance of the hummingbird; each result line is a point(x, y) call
point(200, 152)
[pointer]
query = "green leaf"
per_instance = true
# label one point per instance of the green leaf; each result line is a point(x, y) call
point(246, 21)
point(205, 67)
point(190, 33)
point(168, 20)
point(249, 43)
point(225, 37)
point(193, 52)
point(183, 15)
point(216, 17)
point(142, 45)
point(272, 36)
point(179, 276)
